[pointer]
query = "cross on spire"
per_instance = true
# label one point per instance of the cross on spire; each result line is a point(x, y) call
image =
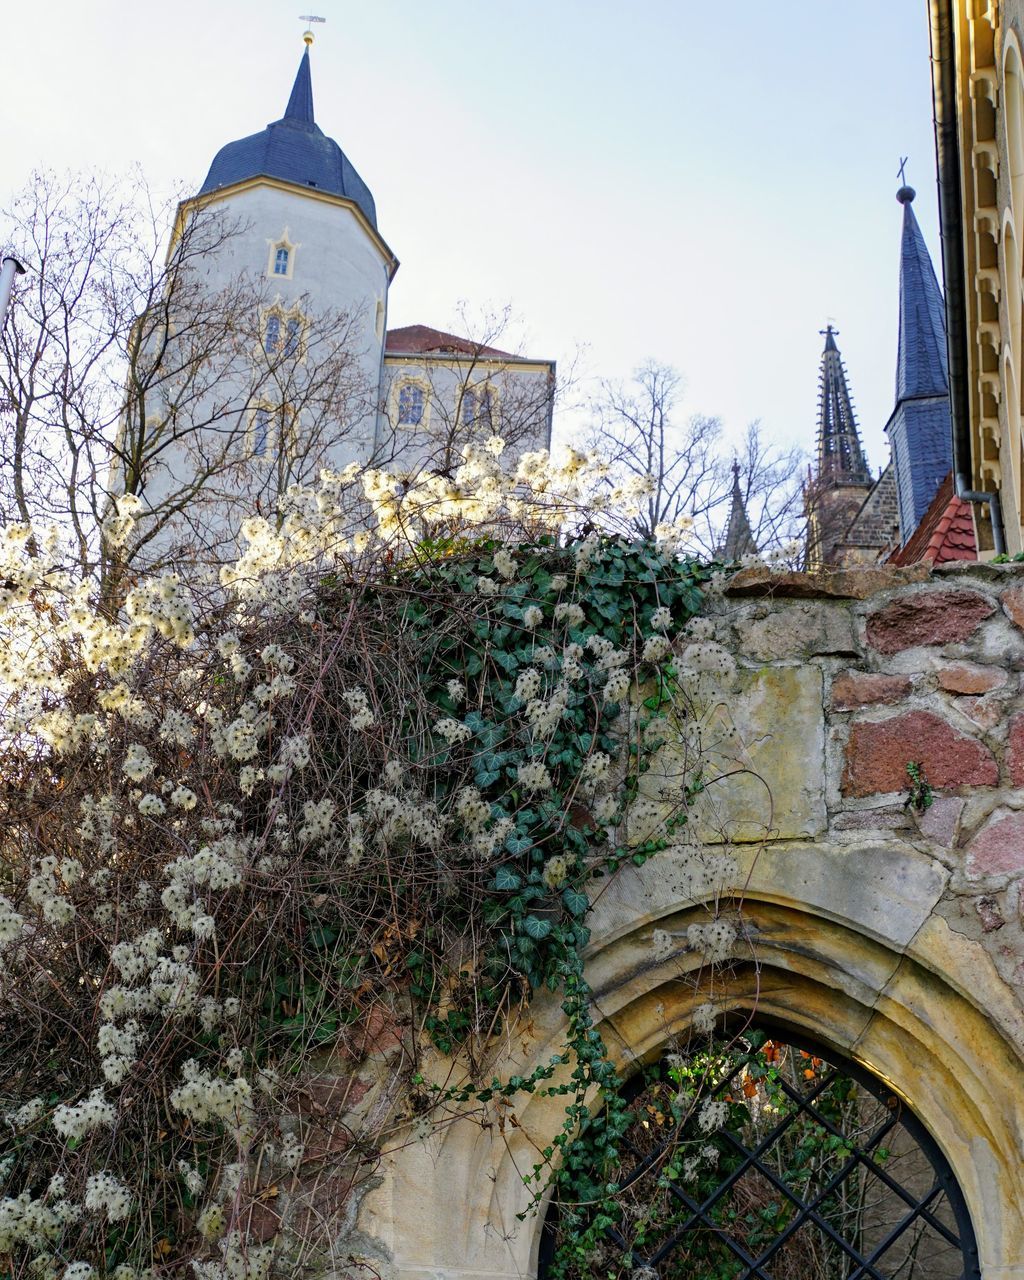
point(902, 175)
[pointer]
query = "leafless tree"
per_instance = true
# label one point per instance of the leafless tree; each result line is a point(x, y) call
point(640, 429)
point(125, 370)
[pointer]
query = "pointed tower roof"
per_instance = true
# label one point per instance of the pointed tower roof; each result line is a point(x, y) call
point(921, 368)
point(841, 458)
point(739, 538)
point(919, 429)
point(293, 149)
point(300, 102)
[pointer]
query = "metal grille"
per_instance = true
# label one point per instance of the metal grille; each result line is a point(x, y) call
point(813, 1171)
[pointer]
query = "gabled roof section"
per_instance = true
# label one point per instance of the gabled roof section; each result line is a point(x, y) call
point(739, 537)
point(421, 339)
point(876, 524)
point(840, 454)
point(921, 368)
point(293, 149)
point(946, 531)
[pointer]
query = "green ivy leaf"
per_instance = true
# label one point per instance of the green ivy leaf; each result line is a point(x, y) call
point(536, 928)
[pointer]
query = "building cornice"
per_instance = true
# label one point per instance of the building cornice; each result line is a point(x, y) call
point(277, 184)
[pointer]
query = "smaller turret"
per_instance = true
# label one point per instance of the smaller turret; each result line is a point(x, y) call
point(739, 538)
point(841, 481)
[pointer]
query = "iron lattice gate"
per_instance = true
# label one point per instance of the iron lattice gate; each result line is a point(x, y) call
point(760, 1159)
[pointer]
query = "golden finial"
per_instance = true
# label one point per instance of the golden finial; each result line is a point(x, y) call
point(307, 36)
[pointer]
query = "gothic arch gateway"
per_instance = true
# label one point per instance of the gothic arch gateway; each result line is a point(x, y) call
point(907, 1004)
point(882, 934)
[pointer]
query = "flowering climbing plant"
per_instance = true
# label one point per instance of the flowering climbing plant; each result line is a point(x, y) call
point(365, 776)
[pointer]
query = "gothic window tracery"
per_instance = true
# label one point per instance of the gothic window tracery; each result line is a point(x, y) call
point(411, 404)
point(478, 407)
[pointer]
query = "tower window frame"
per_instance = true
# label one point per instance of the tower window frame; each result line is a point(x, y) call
point(272, 431)
point(281, 253)
point(284, 333)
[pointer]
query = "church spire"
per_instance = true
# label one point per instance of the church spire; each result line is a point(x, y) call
point(921, 368)
point(919, 429)
point(840, 455)
point(300, 104)
point(739, 538)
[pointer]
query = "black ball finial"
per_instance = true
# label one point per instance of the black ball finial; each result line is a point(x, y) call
point(905, 195)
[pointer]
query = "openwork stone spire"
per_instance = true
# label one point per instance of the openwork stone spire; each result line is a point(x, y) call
point(739, 538)
point(841, 458)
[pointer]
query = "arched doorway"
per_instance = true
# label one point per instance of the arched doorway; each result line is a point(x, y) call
point(757, 1157)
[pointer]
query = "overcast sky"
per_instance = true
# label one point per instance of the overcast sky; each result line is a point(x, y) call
point(701, 183)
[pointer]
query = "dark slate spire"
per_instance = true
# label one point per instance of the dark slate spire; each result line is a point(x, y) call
point(739, 538)
point(840, 456)
point(921, 366)
point(300, 104)
point(293, 149)
point(919, 429)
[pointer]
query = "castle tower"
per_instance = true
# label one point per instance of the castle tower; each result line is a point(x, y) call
point(841, 479)
point(308, 229)
point(919, 428)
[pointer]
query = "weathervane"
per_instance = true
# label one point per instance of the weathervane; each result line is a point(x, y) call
point(307, 35)
point(903, 165)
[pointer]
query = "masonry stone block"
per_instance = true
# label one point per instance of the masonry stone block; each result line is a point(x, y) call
point(854, 689)
point(1015, 751)
point(803, 630)
point(927, 618)
point(998, 849)
point(940, 822)
point(1013, 605)
point(762, 760)
point(969, 677)
point(878, 753)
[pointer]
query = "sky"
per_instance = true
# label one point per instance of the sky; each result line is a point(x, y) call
point(702, 184)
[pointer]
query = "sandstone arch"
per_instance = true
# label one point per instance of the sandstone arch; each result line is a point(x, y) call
point(842, 944)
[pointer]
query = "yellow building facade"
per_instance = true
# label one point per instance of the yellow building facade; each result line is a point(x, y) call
point(978, 91)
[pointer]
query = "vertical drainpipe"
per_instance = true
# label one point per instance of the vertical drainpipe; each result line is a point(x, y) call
point(378, 417)
point(947, 156)
point(10, 268)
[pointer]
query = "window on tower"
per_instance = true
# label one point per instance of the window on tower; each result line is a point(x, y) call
point(260, 431)
point(272, 334)
point(293, 334)
point(281, 256)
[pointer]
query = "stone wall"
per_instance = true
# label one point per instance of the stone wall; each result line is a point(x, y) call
point(888, 931)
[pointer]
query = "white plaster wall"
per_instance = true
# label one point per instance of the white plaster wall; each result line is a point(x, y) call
point(336, 266)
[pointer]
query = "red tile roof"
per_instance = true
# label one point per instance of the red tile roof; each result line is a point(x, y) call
point(420, 339)
point(946, 531)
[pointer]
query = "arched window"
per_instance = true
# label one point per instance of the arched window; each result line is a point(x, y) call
point(293, 336)
point(760, 1158)
point(260, 431)
point(281, 256)
point(478, 407)
point(411, 403)
point(272, 333)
